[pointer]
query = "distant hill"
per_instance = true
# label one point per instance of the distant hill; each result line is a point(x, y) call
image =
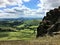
point(14, 19)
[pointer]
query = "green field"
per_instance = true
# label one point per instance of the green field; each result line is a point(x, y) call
point(23, 31)
point(27, 37)
point(26, 31)
point(25, 34)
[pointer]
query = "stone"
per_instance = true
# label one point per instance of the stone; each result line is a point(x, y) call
point(50, 23)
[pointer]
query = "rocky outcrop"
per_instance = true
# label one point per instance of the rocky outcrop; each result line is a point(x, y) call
point(50, 23)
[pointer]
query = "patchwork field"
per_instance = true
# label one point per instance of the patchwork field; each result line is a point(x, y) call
point(25, 34)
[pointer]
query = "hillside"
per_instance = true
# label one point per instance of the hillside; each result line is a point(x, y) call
point(40, 41)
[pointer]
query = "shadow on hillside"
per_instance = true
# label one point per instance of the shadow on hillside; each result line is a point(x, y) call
point(3, 34)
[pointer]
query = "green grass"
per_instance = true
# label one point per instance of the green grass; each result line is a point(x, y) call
point(21, 26)
point(25, 34)
point(28, 35)
point(22, 31)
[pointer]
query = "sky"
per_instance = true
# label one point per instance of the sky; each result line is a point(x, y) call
point(26, 8)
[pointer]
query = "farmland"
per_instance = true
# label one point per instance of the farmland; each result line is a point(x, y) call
point(25, 33)
point(18, 31)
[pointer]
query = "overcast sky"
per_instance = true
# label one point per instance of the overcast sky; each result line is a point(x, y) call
point(26, 8)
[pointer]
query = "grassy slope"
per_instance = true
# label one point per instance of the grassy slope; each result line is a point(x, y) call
point(28, 34)
point(27, 37)
point(23, 34)
point(19, 35)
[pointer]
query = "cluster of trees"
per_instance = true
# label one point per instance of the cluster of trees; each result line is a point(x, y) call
point(10, 23)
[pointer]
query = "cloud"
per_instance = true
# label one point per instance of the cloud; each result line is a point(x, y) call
point(8, 10)
point(26, 0)
point(3, 3)
point(1, 11)
point(20, 11)
point(6, 15)
point(48, 4)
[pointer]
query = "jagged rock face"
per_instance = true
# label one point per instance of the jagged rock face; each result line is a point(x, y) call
point(50, 23)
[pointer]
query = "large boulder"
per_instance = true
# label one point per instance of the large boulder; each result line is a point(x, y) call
point(50, 23)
